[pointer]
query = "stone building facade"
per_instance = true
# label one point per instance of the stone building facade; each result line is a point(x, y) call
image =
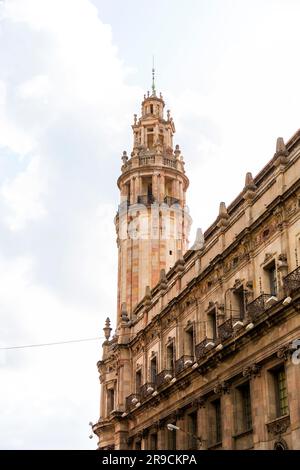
point(207, 338)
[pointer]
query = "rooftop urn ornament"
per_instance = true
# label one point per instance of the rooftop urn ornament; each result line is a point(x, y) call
point(168, 114)
point(281, 153)
point(107, 329)
point(249, 182)
point(177, 152)
point(163, 279)
point(124, 316)
point(199, 241)
point(124, 157)
point(223, 215)
point(250, 187)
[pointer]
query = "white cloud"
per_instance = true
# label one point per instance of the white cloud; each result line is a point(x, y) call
point(23, 196)
point(63, 104)
point(37, 87)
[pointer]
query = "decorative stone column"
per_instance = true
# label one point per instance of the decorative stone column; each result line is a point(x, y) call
point(258, 406)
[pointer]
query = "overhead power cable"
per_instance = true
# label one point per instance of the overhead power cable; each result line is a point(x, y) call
point(51, 344)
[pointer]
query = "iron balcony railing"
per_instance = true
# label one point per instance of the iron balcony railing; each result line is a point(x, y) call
point(182, 363)
point(146, 199)
point(258, 306)
point(202, 348)
point(170, 200)
point(164, 377)
point(291, 282)
point(132, 400)
point(225, 330)
point(147, 389)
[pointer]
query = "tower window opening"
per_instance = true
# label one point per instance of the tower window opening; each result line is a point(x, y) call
point(151, 108)
point(170, 252)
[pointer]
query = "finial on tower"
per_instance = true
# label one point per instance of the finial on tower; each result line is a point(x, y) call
point(153, 78)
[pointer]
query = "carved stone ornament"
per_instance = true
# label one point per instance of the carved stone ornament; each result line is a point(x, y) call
point(222, 387)
point(252, 371)
point(284, 352)
point(279, 426)
point(201, 402)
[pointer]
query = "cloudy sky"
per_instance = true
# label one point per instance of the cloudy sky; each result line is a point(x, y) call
point(72, 73)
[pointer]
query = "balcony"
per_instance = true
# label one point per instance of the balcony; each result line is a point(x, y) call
point(147, 160)
point(170, 200)
point(164, 377)
point(202, 348)
point(147, 389)
point(132, 400)
point(182, 363)
point(225, 330)
point(258, 306)
point(169, 162)
point(291, 282)
point(146, 199)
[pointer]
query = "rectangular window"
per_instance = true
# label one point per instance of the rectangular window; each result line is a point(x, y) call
point(153, 441)
point(138, 445)
point(193, 431)
point(170, 357)
point(281, 395)
point(217, 420)
point(138, 381)
point(212, 325)
point(243, 408)
point(153, 369)
point(271, 278)
point(189, 342)
point(110, 400)
point(239, 304)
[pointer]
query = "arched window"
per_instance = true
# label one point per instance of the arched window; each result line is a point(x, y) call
point(280, 445)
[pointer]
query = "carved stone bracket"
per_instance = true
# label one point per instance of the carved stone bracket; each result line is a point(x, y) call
point(279, 426)
point(201, 402)
point(285, 352)
point(222, 387)
point(252, 371)
point(183, 384)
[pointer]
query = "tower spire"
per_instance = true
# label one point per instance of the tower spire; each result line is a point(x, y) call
point(153, 78)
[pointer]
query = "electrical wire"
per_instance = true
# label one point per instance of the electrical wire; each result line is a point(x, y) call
point(56, 343)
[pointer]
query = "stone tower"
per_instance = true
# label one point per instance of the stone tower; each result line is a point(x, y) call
point(152, 222)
